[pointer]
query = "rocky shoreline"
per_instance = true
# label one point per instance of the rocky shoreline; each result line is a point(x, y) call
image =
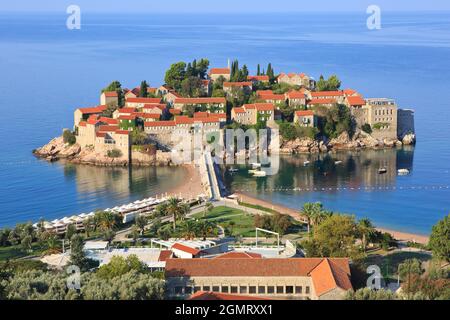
point(359, 141)
point(56, 150)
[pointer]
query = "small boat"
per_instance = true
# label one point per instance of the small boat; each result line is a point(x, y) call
point(259, 174)
point(256, 165)
point(252, 171)
point(403, 172)
point(305, 163)
point(338, 162)
point(382, 170)
point(231, 170)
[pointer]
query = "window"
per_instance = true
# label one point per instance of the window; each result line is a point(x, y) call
point(307, 290)
point(298, 289)
point(234, 289)
point(289, 289)
point(188, 290)
point(270, 289)
point(280, 289)
point(242, 289)
point(225, 289)
point(206, 288)
point(261, 290)
point(216, 289)
point(252, 289)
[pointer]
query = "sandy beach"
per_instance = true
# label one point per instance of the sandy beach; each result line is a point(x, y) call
point(400, 236)
point(191, 187)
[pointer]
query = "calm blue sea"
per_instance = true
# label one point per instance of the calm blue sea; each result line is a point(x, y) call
point(47, 71)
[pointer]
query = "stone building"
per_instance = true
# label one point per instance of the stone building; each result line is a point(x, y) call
point(249, 114)
point(109, 98)
point(382, 117)
point(299, 79)
point(285, 278)
point(215, 73)
point(213, 104)
point(305, 118)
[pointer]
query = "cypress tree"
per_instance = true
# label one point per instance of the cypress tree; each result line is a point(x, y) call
point(143, 89)
point(258, 70)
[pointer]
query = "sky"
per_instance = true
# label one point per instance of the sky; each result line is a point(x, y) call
point(224, 6)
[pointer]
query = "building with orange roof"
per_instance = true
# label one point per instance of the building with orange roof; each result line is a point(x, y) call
point(336, 95)
point(215, 73)
point(210, 295)
point(328, 102)
point(213, 104)
point(249, 114)
point(296, 97)
point(282, 278)
point(258, 79)
point(305, 118)
point(140, 102)
point(82, 114)
point(109, 98)
point(246, 86)
point(296, 79)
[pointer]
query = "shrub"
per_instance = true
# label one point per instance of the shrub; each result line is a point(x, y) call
point(366, 128)
point(114, 153)
point(69, 137)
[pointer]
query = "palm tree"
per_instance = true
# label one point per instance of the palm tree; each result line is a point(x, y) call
point(175, 210)
point(310, 211)
point(366, 230)
point(190, 229)
point(87, 224)
point(205, 228)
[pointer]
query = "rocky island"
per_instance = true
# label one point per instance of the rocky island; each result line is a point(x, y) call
point(135, 126)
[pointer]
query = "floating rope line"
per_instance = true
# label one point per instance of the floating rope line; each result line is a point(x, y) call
point(381, 188)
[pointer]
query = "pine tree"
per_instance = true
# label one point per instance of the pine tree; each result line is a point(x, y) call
point(270, 73)
point(258, 70)
point(143, 89)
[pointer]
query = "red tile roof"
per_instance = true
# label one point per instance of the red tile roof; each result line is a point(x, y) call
point(174, 111)
point(93, 119)
point(239, 255)
point(322, 101)
point(272, 97)
point(91, 110)
point(239, 110)
point(328, 275)
point(260, 106)
point(349, 92)
point(110, 94)
point(258, 78)
point(219, 71)
point(268, 267)
point(319, 94)
point(143, 100)
point(261, 93)
point(356, 101)
point(164, 255)
point(207, 295)
point(291, 75)
point(201, 114)
point(125, 132)
point(302, 113)
point(159, 124)
point(82, 124)
point(150, 115)
point(127, 117)
point(199, 100)
point(184, 248)
point(160, 106)
point(108, 120)
point(108, 128)
point(183, 120)
point(295, 95)
point(237, 84)
point(126, 110)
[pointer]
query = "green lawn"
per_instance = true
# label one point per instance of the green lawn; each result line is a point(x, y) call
point(15, 252)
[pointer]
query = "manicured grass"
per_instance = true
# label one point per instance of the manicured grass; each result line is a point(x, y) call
point(257, 207)
point(15, 252)
point(243, 223)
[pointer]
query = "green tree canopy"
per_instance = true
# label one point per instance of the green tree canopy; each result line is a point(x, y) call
point(440, 239)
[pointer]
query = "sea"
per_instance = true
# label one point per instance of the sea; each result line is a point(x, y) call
point(48, 70)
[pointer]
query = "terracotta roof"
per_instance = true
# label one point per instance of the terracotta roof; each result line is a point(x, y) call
point(184, 248)
point(144, 100)
point(108, 120)
point(174, 111)
point(127, 117)
point(322, 101)
point(199, 100)
point(258, 78)
point(183, 120)
point(219, 71)
point(237, 84)
point(151, 90)
point(123, 132)
point(108, 128)
point(269, 267)
point(82, 124)
point(239, 110)
point(201, 114)
point(90, 110)
point(208, 295)
point(260, 106)
point(160, 106)
point(291, 75)
point(328, 275)
point(126, 110)
point(295, 94)
point(272, 97)
point(301, 113)
point(100, 134)
point(319, 94)
point(349, 91)
point(261, 93)
point(164, 255)
point(205, 82)
point(159, 124)
point(356, 101)
point(93, 119)
point(150, 115)
point(110, 94)
point(239, 255)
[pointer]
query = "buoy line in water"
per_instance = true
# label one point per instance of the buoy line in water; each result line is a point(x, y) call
point(347, 189)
